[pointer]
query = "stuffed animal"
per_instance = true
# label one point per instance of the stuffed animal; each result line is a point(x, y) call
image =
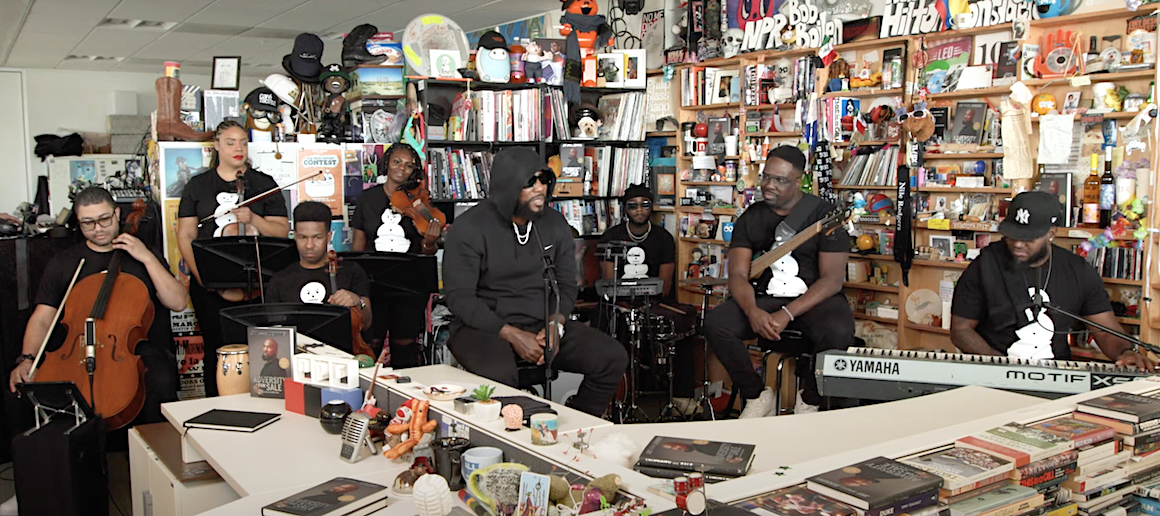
point(415, 429)
point(492, 60)
point(584, 30)
point(562, 493)
point(919, 124)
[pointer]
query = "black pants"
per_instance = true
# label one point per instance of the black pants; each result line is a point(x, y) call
point(583, 350)
point(829, 325)
point(208, 306)
point(161, 380)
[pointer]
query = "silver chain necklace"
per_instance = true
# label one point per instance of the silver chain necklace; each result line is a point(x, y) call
point(642, 238)
point(522, 239)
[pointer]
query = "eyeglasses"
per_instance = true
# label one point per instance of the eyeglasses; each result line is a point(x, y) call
point(778, 180)
point(545, 177)
point(105, 221)
point(643, 205)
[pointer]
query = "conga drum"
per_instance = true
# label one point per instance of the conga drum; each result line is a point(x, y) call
point(233, 374)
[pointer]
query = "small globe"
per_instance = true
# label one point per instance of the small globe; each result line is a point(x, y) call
point(865, 242)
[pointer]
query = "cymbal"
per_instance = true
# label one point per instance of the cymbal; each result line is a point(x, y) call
point(712, 282)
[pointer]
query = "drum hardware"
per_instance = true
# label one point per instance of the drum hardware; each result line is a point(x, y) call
point(703, 398)
point(626, 413)
point(665, 338)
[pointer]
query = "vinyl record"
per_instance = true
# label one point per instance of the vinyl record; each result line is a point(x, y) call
point(432, 32)
point(1060, 60)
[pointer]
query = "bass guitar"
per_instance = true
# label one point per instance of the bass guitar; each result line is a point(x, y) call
point(784, 268)
point(360, 346)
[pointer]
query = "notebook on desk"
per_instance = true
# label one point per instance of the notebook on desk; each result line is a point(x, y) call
point(232, 420)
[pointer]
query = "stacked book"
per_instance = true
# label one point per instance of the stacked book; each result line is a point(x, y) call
point(589, 217)
point(671, 457)
point(337, 497)
point(1115, 262)
point(622, 115)
point(876, 168)
point(614, 168)
point(526, 115)
point(458, 173)
point(880, 487)
point(1135, 467)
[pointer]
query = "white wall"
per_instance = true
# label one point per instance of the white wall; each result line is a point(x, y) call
point(61, 102)
point(14, 165)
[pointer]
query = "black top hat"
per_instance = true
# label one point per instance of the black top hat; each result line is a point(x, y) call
point(305, 61)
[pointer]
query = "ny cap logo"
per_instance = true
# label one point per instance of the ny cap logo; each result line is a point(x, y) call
point(1022, 216)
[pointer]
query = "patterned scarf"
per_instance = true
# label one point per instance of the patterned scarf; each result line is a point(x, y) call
point(573, 65)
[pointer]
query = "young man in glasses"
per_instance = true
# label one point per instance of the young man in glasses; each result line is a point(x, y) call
point(804, 294)
point(651, 248)
point(494, 266)
point(99, 220)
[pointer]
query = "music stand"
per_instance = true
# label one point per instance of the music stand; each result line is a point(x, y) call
point(50, 399)
point(232, 262)
point(397, 274)
point(329, 324)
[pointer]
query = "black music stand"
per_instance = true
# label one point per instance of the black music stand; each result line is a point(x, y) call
point(397, 274)
point(328, 324)
point(233, 262)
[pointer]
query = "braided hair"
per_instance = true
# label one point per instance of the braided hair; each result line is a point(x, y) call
point(416, 176)
point(217, 133)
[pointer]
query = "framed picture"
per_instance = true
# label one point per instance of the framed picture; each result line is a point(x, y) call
point(445, 63)
point(666, 185)
point(226, 72)
point(634, 67)
point(611, 68)
point(940, 203)
point(1071, 102)
point(982, 240)
point(944, 243)
point(1059, 184)
point(726, 82)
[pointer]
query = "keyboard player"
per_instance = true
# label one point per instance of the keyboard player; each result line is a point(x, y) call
point(652, 253)
point(994, 310)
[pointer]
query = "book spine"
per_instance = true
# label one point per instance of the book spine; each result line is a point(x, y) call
point(1049, 463)
point(1069, 509)
point(1096, 436)
point(1059, 473)
point(1016, 508)
point(904, 506)
point(672, 473)
point(734, 471)
point(1149, 506)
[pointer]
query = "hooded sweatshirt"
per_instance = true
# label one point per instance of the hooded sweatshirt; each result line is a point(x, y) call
point(489, 278)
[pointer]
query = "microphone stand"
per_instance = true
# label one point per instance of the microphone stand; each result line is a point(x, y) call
point(1054, 308)
point(550, 286)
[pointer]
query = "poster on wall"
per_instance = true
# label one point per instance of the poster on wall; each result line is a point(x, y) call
point(265, 158)
point(181, 161)
point(79, 172)
point(326, 188)
point(190, 364)
point(172, 253)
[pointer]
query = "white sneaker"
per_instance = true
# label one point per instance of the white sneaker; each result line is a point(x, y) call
point(759, 407)
point(9, 507)
point(801, 407)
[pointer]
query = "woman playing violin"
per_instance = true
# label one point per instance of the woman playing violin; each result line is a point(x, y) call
point(204, 195)
point(379, 227)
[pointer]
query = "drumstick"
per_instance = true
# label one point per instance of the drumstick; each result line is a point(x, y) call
point(55, 319)
point(257, 198)
point(677, 310)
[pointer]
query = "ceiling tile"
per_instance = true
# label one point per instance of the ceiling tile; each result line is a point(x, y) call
point(245, 47)
point(325, 13)
point(244, 13)
point(178, 46)
point(84, 64)
point(42, 50)
point(115, 42)
point(158, 10)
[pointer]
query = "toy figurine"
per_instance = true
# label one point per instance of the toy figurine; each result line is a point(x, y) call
point(262, 113)
point(334, 112)
point(536, 58)
point(491, 59)
point(585, 30)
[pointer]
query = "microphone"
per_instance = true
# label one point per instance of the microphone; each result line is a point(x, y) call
point(1038, 296)
point(90, 346)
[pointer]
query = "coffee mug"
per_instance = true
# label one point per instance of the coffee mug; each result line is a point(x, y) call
point(544, 429)
point(480, 457)
point(449, 459)
point(497, 487)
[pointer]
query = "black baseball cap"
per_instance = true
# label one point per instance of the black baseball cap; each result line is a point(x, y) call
point(1030, 216)
point(634, 191)
point(492, 40)
point(262, 99)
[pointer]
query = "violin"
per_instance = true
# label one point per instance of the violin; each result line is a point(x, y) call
point(228, 224)
point(360, 346)
point(416, 203)
point(114, 373)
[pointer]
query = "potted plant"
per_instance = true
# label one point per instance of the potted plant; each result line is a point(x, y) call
point(486, 409)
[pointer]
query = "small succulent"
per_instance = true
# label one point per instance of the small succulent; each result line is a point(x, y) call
point(483, 393)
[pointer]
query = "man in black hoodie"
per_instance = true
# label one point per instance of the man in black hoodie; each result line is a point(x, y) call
point(493, 270)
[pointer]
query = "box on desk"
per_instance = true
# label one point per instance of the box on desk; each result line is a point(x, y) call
point(302, 399)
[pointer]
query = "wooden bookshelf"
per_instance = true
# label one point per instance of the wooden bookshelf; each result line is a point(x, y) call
point(865, 285)
point(994, 91)
point(868, 317)
point(865, 93)
point(962, 155)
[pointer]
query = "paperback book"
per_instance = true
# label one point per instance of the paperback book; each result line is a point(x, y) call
point(270, 350)
point(698, 455)
point(1019, 443)
point(961, 466)
point(874, 483)
point(1123, 406)
point(339, 496)
point(1081, 433)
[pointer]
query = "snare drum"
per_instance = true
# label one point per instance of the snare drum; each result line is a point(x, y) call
point(661, 327)
point(233, 374)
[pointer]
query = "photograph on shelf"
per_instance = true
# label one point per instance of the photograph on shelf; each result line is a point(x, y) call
point(666, 185)
point(727, 82)
point(967, 124)
point(1071, 102)
point(572, 160)
point(1059, 184)
point(226, 72)
point(718, 130)
point(180, 163)
point(445, 63)
point(553, 72)
point(945, 244)
point(611, 68)
point(634, 67)
point(982, 240)
point(1007, 68)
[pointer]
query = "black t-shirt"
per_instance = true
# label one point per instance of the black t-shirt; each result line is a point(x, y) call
point(757, 228)
point(982, 294)
point(59, 272)
point(297, 284)
point(200, 197)
point(368, 216)
point(658, 248)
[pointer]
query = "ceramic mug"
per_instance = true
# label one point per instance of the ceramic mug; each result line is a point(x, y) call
point(497, 487)
point(480, 457)
point(544, 429)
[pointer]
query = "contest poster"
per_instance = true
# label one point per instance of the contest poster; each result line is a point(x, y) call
point(326, 188)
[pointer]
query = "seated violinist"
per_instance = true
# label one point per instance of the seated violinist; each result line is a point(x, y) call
point(378, 226)
point(309, 280)
point(99, 220)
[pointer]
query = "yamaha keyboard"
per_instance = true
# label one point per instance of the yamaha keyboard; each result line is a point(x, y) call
point(889, 374)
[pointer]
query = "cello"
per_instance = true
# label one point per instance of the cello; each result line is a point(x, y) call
point(416, 203)
point(100, 345)
point(359, 346)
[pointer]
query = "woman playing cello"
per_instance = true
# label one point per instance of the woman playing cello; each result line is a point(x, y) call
point(380, 227)
point(206, 194)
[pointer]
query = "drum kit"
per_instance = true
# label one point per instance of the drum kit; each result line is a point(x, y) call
point(647, 333)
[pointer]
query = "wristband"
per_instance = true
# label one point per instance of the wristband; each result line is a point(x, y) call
point(787, 312)
point(24, 357)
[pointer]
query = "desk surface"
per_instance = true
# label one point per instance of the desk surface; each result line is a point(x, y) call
point(787, 440)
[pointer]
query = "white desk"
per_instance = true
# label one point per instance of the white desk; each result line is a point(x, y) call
point(793, 439)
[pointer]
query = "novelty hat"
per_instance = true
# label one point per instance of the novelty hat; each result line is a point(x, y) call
point(305, 61)
point(333, 70)
point(283, 87)
point(492, 40)
point(262, 99)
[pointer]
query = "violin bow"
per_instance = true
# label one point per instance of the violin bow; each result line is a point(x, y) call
point(55, 319)
point(257, 198)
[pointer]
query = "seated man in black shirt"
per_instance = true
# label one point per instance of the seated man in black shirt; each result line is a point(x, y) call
point(308, 281)
point(653, 248)
point(804, 294)
point(995, 312)
point(99, 220)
